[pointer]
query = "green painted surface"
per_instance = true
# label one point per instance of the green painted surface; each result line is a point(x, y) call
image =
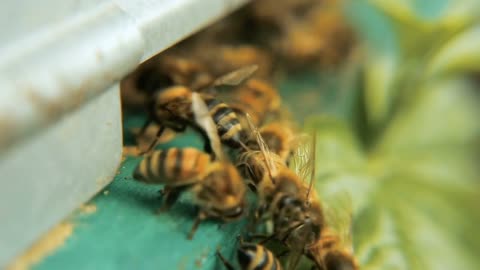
point(124, 232)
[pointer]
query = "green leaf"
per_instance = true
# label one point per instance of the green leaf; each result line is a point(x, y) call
point(423, 25)
point(443, 113)
point(426, 15)
point(380, 72)
point(415, 197)
point(459, 54)
point(381, 63)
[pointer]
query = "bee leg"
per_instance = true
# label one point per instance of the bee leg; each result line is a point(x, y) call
point(154, 142)
point(259, 236)
point(289, 232)
point(179, 128)
point(145, 126)
point(267, 238)
point(207, 147)
point(283, 253)
point(169, 197)
point(227, 264)
point(201, 216)
point(316, 264)
point(328, 241)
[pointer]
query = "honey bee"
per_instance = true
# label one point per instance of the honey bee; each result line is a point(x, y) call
point(336, 258)
point(144, 140)
point(218, 189)
point(171, 108)
point(334, 249)
point(321, 38)
point(297, 223)
point(251, 165)
point(257, 159)
point(292, 207)
point(185, 70)
point(169, 68)
point(134, 94)
point(255, 97)
point(280, 139)
point(253, 257)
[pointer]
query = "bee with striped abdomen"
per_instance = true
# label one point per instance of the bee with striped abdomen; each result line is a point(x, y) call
point(173, 167)
point(287, 204)
point(218, 189)
point(253, 257)
point(251, 165)
point(331, 253)
point(334, 250)
point(279, 137)
point(257, 159)
point(295, 222)
point(257, 98)
point(171, 108)
point(163, 71)
point(228, 125)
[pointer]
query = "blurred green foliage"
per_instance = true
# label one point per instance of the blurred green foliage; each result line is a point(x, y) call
point(406, 154)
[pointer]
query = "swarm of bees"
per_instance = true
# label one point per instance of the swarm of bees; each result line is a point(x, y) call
point(269, 157)
point(224, 93)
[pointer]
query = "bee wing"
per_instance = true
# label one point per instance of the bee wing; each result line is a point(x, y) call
point(339, 217)
point(267, 155)
point(302, 161)
point(229, 81)
point(235, 77)
point(205, 121)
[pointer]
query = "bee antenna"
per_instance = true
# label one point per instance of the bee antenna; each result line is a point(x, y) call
point(227, 264)
point(312, 175)
point(291, 229)
point(244, 146)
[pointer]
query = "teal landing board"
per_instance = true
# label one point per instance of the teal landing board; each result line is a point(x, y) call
point(124, 232)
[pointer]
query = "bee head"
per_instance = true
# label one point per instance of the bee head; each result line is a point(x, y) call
point(222, 193)
point(290, 209)
point(302, 235)
point(226, 213)
point(288, 182)
point(152, 80)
